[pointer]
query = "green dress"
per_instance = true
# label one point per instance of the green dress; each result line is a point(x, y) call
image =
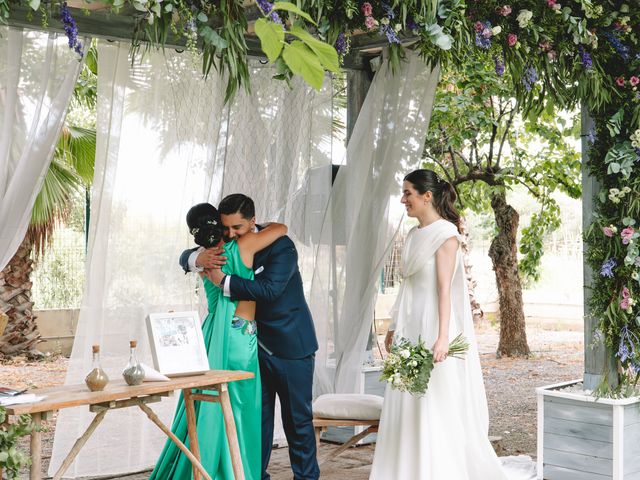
point(230, 346)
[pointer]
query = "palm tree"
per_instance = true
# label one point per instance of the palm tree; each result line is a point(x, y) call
point(71, 170)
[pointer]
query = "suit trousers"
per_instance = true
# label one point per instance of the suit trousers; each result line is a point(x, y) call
point(292, 381)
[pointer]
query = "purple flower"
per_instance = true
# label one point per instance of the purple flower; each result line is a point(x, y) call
point(499, 61)
point(606, 270)
point(266, 7)
point(341, 44)
point(388, 11)
point(411, 24)
point(626, 347)
point(70, 29)
point(585, 56)
point(392, 36)
point(482, 40)
point(530, 77)
point(618, 46)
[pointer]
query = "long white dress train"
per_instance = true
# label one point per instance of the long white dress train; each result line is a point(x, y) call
point(444, 434)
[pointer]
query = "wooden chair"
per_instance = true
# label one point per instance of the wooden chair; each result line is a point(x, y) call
point(345, 410)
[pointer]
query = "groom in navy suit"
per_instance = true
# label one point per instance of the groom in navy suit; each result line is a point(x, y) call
point(286, 335)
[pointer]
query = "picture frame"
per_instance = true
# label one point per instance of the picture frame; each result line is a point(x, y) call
point(177, 344)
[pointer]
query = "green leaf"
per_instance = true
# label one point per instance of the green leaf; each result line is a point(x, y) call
point(304, 62)
point(211, 37)
point(327, 55)
point(271, 37)
point(290, 7)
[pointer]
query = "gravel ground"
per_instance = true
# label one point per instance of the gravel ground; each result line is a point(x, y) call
point(557, 355)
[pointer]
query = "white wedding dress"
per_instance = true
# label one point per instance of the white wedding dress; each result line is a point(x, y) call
point(444, 434)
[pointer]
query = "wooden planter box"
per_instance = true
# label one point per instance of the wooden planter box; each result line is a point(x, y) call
point(581, 438)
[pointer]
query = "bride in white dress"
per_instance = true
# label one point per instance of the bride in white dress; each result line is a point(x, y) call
point(444, 434)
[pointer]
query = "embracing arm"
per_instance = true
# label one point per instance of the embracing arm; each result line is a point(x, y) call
point(445, 265)
point(270, 284)
point(252, 242)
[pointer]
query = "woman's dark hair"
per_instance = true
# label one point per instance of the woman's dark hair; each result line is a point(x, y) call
point(237, 203)
point(204, 224)
point(444, 195)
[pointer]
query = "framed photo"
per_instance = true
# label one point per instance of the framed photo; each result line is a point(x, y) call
point(176, 342)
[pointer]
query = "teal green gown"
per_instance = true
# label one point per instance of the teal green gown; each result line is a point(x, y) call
point(229, 347)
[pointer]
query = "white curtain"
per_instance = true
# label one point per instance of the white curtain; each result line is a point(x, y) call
point(38, 71)
point(360, 222)
point(165, 142)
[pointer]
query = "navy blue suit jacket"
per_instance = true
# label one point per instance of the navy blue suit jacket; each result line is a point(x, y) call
point(285, 326)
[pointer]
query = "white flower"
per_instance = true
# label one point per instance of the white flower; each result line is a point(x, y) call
point(405, 353)
point(524, 17)
point(496, 30)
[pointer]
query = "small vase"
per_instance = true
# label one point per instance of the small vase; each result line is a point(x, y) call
point(133, 373)
point(96, 379)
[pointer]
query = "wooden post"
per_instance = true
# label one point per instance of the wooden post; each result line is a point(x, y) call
point(232, 435)
point(194, 446)
point(598, 360)
point(35, 472)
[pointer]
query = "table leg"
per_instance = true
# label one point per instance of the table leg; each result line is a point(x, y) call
point(154, 418)
point(192, 429)
point(35, 472)
point(79, 444)
point(232, 434)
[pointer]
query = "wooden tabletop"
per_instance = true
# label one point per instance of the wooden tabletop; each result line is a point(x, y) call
point(66, 396)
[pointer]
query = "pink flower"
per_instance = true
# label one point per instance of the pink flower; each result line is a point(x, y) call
point(620, 81)
point(625, 292)
point(367, 9)
point(626, 235)
point(624, 304)
point(478, 26)
point(512, 39)
point(370, 23)
point(634, 81)
point(607, 231)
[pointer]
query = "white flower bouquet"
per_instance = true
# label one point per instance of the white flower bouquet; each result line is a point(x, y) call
point(409, 365)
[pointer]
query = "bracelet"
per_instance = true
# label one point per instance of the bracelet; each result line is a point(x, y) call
point(221, 285)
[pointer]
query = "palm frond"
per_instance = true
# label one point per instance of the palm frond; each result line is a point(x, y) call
point(52, 203)
point(77, 147)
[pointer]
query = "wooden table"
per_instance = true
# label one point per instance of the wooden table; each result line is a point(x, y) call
point(120, 395)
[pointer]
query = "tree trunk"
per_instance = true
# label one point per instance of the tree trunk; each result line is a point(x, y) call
point(503, 254)
point(476, 308)
point(21, 334)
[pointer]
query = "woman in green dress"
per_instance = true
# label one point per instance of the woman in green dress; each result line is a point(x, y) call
point(230, 337)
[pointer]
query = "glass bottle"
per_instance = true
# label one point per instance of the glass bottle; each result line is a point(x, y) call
point(96, 379)
point(133, 373)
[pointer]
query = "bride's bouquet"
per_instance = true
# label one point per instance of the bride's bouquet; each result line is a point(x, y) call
point(408, 366)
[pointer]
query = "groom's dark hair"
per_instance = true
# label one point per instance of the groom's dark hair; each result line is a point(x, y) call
point(237, 203)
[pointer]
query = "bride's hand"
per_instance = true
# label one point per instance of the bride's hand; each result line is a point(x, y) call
point(440, 349)
point(388, 340)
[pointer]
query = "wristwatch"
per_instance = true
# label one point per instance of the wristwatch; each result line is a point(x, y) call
point(224, 279)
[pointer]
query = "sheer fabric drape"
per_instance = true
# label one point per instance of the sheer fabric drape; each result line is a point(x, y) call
point(359, 223)
point(38, 72)
point(165, 142)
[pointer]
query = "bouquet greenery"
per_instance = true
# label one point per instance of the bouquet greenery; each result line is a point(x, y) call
point(408, 366)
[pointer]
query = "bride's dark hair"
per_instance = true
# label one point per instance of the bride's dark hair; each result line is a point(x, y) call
point(444, 195)
point(204, 224)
